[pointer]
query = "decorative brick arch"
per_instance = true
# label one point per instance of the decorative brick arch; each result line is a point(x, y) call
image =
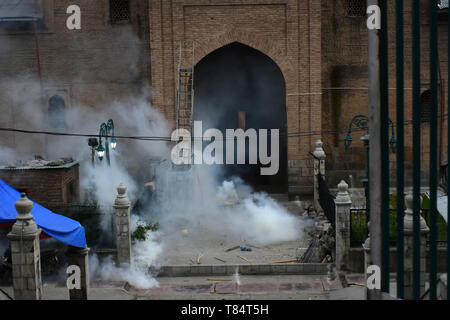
point(204, 48)
point(289, 32)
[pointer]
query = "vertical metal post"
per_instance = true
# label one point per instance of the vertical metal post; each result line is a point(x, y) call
point(39, 70)
point(416, 144)
point(384, 137)
point(448, 153)
point(93, 157)
point(375, 148)
point(179, 86)
point(400, 148)
point(367, 186)
point(433, 146)
point(108, 158)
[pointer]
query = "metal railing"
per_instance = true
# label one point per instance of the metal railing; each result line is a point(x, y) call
point(423, 54)
point(359, 231)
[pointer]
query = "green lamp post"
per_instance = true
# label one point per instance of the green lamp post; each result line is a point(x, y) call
point(361, 122)
point(106, 131)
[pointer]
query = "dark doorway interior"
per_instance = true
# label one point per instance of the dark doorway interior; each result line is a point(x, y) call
point(237, 86)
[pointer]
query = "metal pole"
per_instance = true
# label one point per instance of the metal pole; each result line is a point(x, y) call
point(367, 183)
point(384, 136)
point(108, 160)
point(416, 146)
point(93, 156)
point(433, 146)
point(400, 149)
point(41, 90)
point(375, 148)
point(448, 153)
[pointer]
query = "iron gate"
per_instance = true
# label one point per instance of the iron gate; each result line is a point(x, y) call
point(432, 64)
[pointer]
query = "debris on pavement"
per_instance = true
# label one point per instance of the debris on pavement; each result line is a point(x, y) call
point(284, 261)
point(219, 279)
point(232, 248)
point(220, 259)
point(199, 258)
point(244, 259)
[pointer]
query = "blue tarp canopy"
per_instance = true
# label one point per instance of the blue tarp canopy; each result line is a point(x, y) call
point(59, 227)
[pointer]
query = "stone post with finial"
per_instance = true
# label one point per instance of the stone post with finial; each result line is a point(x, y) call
point(319, 168)
point(343, 204)
point(25, 253)
point(122, 226)
point(409, 248)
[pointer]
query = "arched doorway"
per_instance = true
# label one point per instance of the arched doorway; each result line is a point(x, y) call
point(237, 86)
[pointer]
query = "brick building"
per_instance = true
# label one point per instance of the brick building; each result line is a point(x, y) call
point(47, 185)
point(318, 47)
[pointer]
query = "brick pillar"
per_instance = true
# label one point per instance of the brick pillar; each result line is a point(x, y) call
point(343, 204)
point(25, 251)
point(319, 167)
point(409, 248)
point(78, 257)
point(122, 226)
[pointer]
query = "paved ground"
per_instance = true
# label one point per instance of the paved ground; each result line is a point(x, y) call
point(200, 288)
point(186, 251)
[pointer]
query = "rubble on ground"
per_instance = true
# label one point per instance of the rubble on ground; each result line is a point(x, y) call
point(321, 247)
point(37, 162)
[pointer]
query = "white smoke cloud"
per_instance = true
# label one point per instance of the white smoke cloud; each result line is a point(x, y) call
point(190, 200)
point(107, 271)
point(144, 253)
point(229, 208)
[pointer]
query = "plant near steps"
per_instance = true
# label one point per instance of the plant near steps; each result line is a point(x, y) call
point(140, 233)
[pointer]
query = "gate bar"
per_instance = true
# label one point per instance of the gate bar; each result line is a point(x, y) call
point(448, 171)
point(384, 146)
point(433, 146)
point(416, 146)
point(375, 151)
point(400, 149)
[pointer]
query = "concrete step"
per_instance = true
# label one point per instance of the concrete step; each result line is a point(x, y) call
point(243, 269)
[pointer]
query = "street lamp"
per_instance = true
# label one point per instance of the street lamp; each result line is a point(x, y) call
point(100, 151)
point(110, 129)
point(361, 122)
point(113, 143)
point(106, 131)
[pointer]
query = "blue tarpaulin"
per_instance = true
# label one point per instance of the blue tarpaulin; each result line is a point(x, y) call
point(59, 227)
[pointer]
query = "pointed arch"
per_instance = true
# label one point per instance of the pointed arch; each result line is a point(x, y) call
point(238, 86)
point(277, 54)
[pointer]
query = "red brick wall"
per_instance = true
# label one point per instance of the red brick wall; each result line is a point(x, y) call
point(344, 60)
point(93, 67)
point(287, 31)
point(317, 47)
point(45, 186)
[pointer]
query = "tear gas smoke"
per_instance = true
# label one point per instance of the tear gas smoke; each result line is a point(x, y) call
point(195, 200)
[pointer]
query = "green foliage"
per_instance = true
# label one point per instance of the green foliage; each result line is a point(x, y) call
point(140, 234)
point(359, 223)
